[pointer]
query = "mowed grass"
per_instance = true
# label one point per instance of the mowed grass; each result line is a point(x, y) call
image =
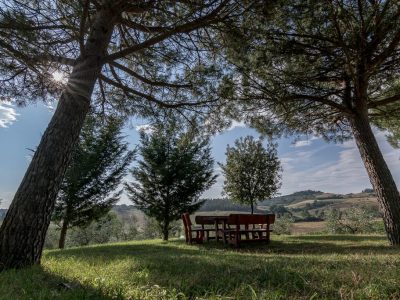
point(291, 267)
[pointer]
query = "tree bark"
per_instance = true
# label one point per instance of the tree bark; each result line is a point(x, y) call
point(24, 228)
point(379, 175)
point(63, 234)
point(165, 231)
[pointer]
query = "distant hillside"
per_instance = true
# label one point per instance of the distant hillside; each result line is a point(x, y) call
point(304, 205)
point(292, 198)
point(300, 204)
point(223, 204)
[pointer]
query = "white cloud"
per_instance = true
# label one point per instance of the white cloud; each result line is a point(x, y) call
point(306, 142)
point(8, 115)
point(145, 127)
point(6, 198)
point(302, 143)
point(236, 124)
point(345, 174)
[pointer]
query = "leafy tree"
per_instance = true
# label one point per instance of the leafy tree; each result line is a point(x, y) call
point(134, 57)
point(283, 225)
point(353, 220)
point(176, 168)
point(323, 68)
point(98, 164)
point(107, 229)
point(251, 171)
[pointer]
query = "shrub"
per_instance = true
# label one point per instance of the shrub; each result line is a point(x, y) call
point(283, 225)
point(353, 220)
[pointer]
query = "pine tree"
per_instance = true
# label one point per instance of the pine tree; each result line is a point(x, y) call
point(89, 188)
point(251, 171)
point(132, 57)
point(327, 68)
point(176, 168)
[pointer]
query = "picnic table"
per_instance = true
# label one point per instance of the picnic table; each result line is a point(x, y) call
point(234, 229)
point(255, 228)
point(216, 221)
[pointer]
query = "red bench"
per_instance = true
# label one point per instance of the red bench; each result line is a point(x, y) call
point(245, 228)
point(190, 229)
point(211, 224)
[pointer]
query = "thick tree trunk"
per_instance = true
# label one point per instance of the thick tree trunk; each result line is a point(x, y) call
point(63, 234)
point(23, 231)
point(379, 175)
point(165, 231)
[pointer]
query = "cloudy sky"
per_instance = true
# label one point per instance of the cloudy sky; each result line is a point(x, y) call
point(309, 163)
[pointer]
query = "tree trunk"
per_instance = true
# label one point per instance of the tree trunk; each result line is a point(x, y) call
point(379, 175)
point(252, 208)
point(165, 231)
point(24, 228)
point(63, 234)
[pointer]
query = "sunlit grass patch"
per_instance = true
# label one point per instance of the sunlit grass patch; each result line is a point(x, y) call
point(306, 266)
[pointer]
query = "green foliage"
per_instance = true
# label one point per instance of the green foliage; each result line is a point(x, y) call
point(291, 267)
point(44, 36)
point(152, 230)
point(98, 164)
point(306, 66)
point(176, 168)
point(353, 220)
point(252, 173)
point(107, 229)
point(283, 225)
point(223, 204)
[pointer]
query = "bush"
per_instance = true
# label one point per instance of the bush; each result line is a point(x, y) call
point(353, 220)
point(111, 228)
point(283, 225)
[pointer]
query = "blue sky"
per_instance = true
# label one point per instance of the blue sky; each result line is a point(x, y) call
point(310, 163)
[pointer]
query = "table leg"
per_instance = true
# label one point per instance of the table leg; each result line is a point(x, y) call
point(216, 231)
point(223, 232)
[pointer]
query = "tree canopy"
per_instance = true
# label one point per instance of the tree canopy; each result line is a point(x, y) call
point(251, 171)
point(158, 54)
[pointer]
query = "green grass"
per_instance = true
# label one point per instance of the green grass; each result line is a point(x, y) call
point(291, 267)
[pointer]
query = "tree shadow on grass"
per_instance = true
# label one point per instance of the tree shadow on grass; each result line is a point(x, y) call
point(38, 283)
point(220, 270)
point(341, 238)
point(316, 245)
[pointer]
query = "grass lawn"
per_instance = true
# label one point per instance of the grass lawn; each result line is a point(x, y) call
point(291, 267)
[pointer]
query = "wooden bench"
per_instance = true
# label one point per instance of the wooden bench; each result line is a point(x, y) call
point(189, 230)
point(254, 228)
point(212, 223)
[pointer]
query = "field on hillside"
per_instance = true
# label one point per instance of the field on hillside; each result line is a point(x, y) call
point(308, 227)
point(291, 267)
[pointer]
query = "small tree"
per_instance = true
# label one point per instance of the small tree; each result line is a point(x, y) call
point(98, 165)
point(283, 225)
point(252, 173)
point(176, 168)
point(353, 220)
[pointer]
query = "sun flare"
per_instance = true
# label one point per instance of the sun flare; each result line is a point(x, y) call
point(58, 76)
